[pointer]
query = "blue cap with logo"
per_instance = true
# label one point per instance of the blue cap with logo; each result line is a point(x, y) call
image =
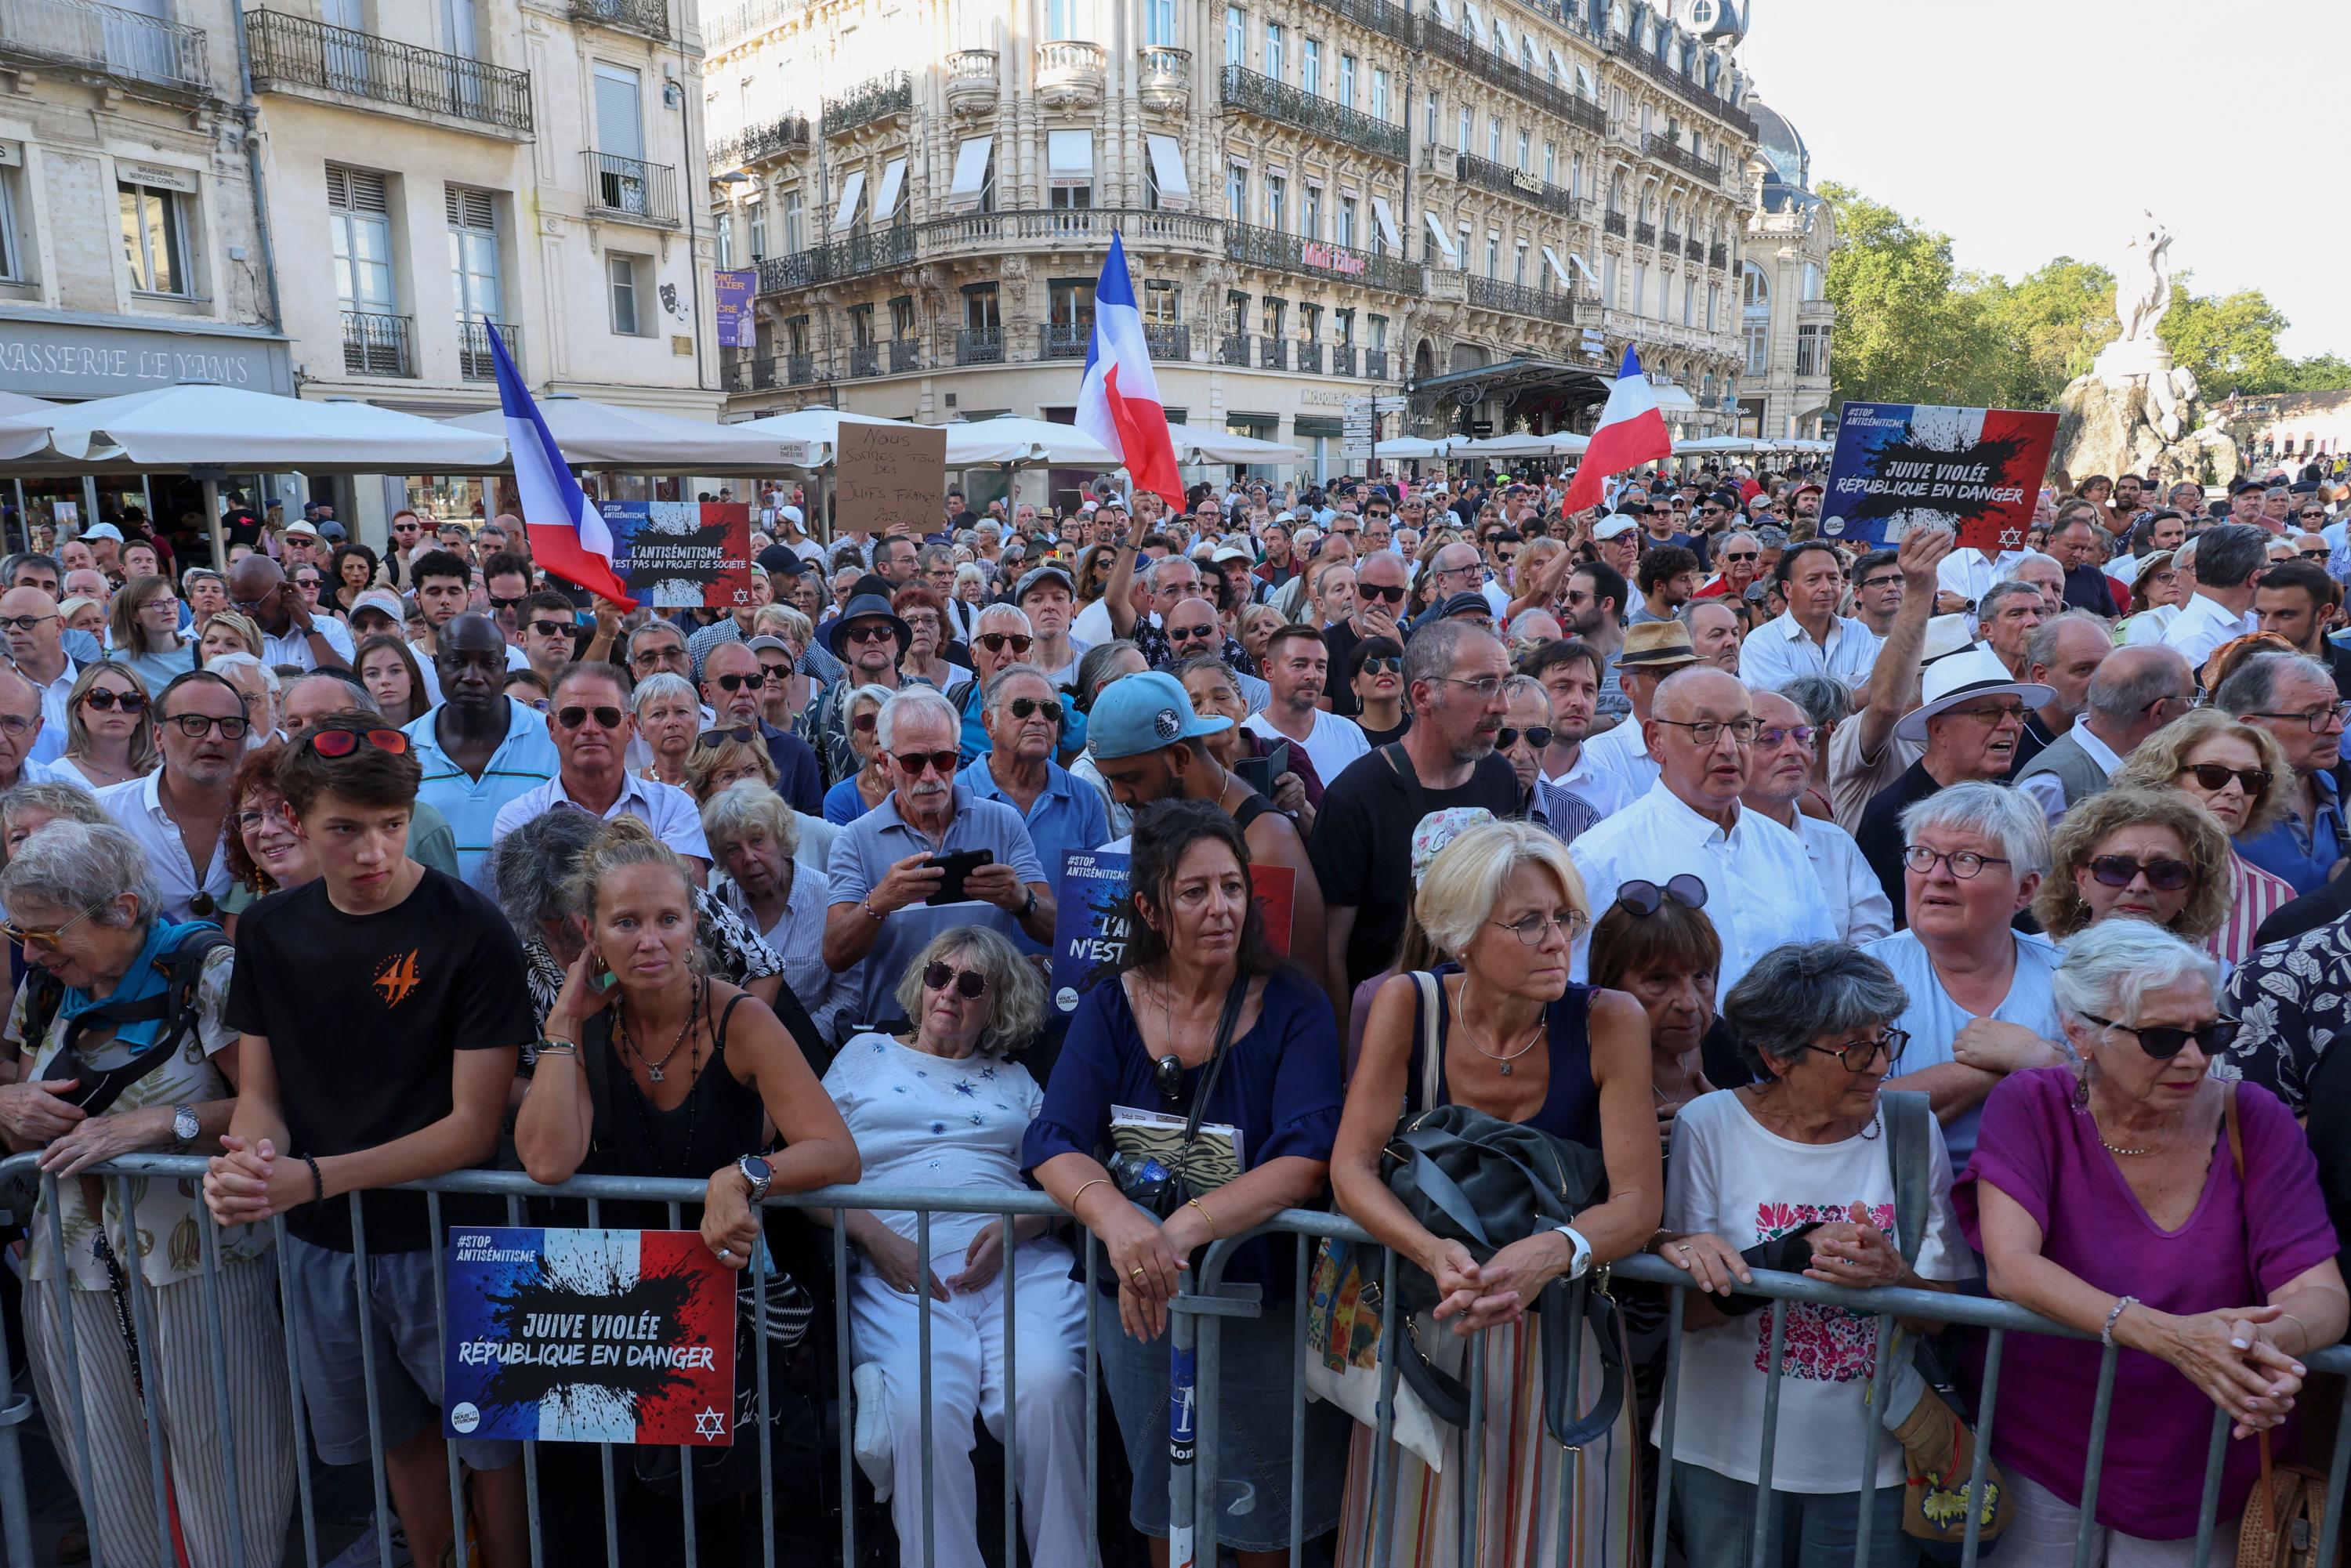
point(1142, 713)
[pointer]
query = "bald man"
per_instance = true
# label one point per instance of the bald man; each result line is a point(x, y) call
point(292, 634)
point(35, 634)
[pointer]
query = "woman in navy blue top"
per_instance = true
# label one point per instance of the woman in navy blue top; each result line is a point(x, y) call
point(1198, 934)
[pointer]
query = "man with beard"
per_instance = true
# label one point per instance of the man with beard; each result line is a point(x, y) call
point(869, 638)
point(178, 812)
point(1298, 671)
point(884, 866)
point(1128, 736)
point(1969, 715)
point(1381, 583)
point(1453, 673)
point(1780, 770)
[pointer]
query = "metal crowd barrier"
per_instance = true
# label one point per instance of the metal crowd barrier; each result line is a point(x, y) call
point(1193, 1319)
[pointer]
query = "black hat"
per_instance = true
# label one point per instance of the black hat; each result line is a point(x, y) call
point(868, 607)
point(784, 559)
point(1465, 603)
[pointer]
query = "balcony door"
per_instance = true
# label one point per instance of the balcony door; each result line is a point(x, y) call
point(619, 138)
point(359, 213)
point(346, 52)
point(461, 36)
point(474, 275)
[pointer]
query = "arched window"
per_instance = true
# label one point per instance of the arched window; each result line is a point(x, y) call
point(1755, 289)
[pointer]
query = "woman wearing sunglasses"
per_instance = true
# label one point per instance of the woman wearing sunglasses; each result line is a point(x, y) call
point(871, 784)
point(2237, 772)
point(1376, 670)
point(2117, 1198)
point(1796, 1173)
point(109, 727)
point(942, 1104)
point(2144, 854)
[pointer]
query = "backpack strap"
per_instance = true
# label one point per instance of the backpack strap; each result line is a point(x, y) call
point(1910, 1150)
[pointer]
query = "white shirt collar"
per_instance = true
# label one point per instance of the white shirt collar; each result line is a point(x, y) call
point(1676, 815)
point(2102, 754)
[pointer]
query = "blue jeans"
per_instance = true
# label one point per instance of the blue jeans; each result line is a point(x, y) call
point(1808, 1530)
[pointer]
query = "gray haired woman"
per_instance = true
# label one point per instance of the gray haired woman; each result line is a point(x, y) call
point(754, 837)
point(1794, 1172)
point(668, 715)
point(104, 1077)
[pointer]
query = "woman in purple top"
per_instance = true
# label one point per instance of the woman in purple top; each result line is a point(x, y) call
point(2104, 1197)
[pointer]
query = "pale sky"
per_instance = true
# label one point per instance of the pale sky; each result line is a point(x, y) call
point(2030, 128)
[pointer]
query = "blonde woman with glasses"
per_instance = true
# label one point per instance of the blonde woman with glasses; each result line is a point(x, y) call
point(2238, 773)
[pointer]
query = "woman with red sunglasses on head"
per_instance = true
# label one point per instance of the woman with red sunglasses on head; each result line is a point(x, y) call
point(941, 1105)
point(2141, 854)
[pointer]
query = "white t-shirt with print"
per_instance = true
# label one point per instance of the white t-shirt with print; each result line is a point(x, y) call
point(921, 1119)
point(1732, 1177)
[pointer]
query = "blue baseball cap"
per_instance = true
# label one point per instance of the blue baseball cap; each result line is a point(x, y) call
point(1145, 712)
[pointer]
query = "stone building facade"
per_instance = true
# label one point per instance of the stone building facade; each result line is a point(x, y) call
point(1320, 200)
point(1785, 316)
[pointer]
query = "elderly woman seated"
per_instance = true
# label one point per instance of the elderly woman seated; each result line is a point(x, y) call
point(1797, 1172)
point(2136, 1197)
point(755, 837)
point(119, 1029)
point(535, 867)
point(2146, 855)
point(941, 1105)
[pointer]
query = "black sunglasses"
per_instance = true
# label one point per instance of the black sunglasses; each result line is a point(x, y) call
point(1386, 664)
point(1393, 592)
point(2163, 874)
point(1538, 736)
point(105, 700)
point(736, 683)
point(1645, 898)
point(572, 718)
point(969, 984)
point(2164, 1041)
point(1023, 707)
point(2216, 775)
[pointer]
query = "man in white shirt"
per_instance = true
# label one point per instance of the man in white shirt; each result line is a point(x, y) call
point(2135, 692)
point(290, 632)
point(2222, 609)
point(1779, 772)
point(1297, 668)
point(1620, 758)
point(185, 802)
point(36, 633)
point(1809, 637)
point(587, 719)
point(1761, 887)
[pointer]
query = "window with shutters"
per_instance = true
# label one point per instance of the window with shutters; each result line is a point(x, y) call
point(359, 216)
point(473, 253)
point(758, 224)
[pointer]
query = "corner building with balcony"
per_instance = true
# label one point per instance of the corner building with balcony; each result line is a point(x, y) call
point(432, 164)
point(1784, 311)
point(1320, 199)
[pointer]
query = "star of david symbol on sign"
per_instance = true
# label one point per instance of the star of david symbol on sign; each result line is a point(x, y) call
point(709, 1424)
point(2009, 539)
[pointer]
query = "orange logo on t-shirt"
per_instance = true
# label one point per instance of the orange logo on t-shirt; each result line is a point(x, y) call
point(397, 979)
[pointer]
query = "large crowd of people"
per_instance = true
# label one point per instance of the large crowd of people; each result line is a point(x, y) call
point(1974, 917)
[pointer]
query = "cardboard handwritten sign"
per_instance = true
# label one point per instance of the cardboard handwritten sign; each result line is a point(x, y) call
point(888, 477)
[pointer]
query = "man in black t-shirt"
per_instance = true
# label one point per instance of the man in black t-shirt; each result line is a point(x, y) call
point(379, 1010)
point(1453, 673)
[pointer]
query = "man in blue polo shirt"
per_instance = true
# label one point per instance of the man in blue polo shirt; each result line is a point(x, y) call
point(479, 747)
point(1024, 713)
point(884, 865)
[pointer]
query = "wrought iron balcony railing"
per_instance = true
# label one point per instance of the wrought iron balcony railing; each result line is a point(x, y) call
point(867, 101)
point(1343, 359)
point(1378, 15)
point(650, 17)
point(476, 362)
point(125, 44)
point(1718, 258)
point(1272, 354)
point(1458, 50)
point(1233, 349)
point(800, 368)
point(295, 51)
point(1492, 293)
point(1644, 232)
point(375, 344)
point(1614, 223)
point(904, 356)
point(760, 143)
point(865, 359)
point(1167, 342)
point(1318, 258)
point(1689, 91)
point(1666, 150)
point(1064, 339)
point(754, 375)
point(964, 234)
point(979, 346)
point(1473, 170)
point(1309, 358)
point(631, 190)
point(1252, 93)
point(1669, 240)
point(1375, 364)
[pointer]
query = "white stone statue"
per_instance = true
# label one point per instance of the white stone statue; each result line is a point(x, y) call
point(2143, 287)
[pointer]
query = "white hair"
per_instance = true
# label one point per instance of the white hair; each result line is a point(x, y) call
point(1993, 812)
point(2110, 966)
point(223, 662)
point(2015, 570)
point(911, 700)
point(1003, 613)
point(661, 683)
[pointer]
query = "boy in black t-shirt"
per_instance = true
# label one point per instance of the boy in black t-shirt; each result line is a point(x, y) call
point(380, 1010)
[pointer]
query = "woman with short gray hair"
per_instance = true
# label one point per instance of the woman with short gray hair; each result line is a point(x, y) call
point(2134, 1197)
point(669, 716)
point(1796, 1172)
point(754, 838)
point(106, 1076)
point(871, 784)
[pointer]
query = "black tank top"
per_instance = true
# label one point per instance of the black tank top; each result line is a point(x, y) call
point(1570, 1107)
point(719, 1120)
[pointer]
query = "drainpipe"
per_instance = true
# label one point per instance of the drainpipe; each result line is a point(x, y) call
point(696, 186)
point(249, 112)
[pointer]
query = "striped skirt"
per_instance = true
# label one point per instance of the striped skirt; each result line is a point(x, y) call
point(1538, 1505)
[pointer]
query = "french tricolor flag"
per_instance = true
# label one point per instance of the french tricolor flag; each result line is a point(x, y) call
point(568, 535)
point(1631, 432)
point(1118, 403)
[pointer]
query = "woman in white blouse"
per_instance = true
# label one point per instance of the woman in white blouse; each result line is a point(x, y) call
point(942, 1106)
point(754, 836)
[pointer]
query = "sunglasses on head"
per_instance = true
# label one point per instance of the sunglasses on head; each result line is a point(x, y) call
point(969, 984)
point(106, 700)
point(1645, 898)
point(2163, 874)
point(711, 737)
point(912, 763)
point(2164, 1041)
point(337, 743)
point(572, 718)
point(994, 642)
point(1538, 736)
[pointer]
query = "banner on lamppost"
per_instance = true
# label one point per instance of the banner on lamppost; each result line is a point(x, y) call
point(736, 288)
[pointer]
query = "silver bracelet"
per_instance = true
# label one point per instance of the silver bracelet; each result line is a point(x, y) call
point(2107, 1335)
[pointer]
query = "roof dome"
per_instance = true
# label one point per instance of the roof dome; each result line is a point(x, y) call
point(1780, 145)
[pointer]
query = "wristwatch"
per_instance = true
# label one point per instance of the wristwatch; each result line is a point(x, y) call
point(1028, 908)
point(184, 1125)
point(1581, 1263)
point(758, 1174)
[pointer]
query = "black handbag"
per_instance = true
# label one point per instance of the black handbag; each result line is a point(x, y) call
point(1468, 1176)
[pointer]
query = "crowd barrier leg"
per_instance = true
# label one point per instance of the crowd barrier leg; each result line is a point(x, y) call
point(1005, 1238)
point(1763, 1510)
point(922, 1357)
point(604, 1450)
point(15, 1516)
point(1383, 1456)
point(684, 1452)
point(1676, 1298)
point(143, 1322)
point(441, 1341)
point(217, 1328)
point(1298, 1407)
point(290, 1313)
point(1093, 1400)
point(1889, 1345)
point(377, 1473)
point(61, 1301)
point(848, 1407)
point(761, 1406)
point(2085, 1534)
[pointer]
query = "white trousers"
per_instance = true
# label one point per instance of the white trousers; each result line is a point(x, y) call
point(967, 1381)
point(2041, 1533)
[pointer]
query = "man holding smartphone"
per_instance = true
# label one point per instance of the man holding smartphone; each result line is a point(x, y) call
point(889, 863)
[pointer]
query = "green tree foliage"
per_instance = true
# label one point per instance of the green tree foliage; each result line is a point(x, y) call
point(1912, 326)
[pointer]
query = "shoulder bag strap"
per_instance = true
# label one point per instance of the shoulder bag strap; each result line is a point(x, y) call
point(1911, 1152)
point(1418, 798)
point(1432, 1017)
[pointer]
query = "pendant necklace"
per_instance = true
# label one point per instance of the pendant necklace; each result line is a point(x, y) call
point(1503, 1058)
point(652, 1067)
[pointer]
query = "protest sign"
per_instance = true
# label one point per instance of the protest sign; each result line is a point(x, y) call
point(590, 1336)
point(889, 476)
point(682, 554)
point(1091, 924)
point(1975, 471)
